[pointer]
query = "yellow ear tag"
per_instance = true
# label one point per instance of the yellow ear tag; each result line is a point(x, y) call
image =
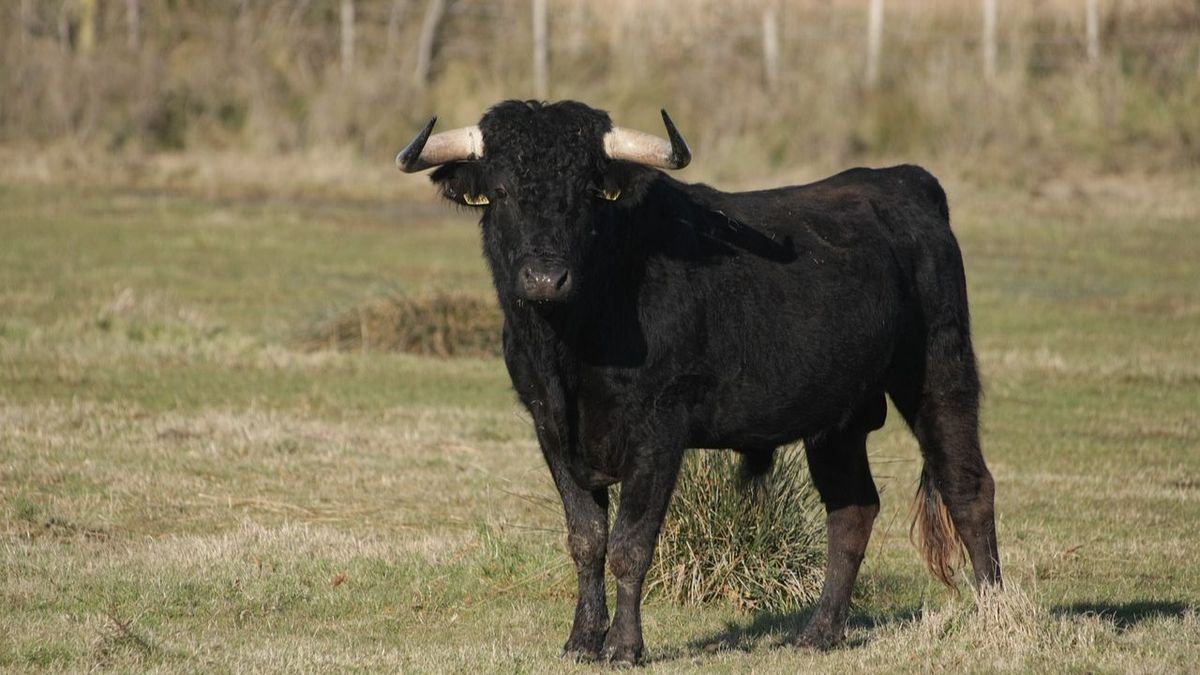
point(611, 194)
point(476, 200)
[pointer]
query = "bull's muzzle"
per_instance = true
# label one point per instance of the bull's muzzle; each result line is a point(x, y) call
point(544, 281)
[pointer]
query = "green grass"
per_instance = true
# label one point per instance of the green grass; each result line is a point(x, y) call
point(183, 487)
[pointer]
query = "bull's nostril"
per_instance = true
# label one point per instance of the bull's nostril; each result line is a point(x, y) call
point(544, 281)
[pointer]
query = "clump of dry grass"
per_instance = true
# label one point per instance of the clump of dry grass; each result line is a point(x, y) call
point(435, 324)
point(1008, 630)
point(758, 547)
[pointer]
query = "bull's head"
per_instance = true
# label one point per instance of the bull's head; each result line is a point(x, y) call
point(550, 179)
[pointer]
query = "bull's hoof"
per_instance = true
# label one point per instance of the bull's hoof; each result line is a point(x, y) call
point(583, 649)
point(576, 655)
point(621, 656)
point(820, 637)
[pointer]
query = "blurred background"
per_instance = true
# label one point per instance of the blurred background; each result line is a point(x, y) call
point(1015, 90)
point(252, 410)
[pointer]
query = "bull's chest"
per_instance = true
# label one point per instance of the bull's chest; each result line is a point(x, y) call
point(611, 423)
point(606, 435)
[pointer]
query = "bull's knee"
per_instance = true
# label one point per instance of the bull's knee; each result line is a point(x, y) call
point(627, 562)
point(586, 547)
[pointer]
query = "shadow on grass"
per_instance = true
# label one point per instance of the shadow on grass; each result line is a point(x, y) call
point(1126, 615)
point(748, 635)
point(745, 635)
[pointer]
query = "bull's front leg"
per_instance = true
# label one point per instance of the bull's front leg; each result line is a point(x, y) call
point(645, 494)
point(587, 537)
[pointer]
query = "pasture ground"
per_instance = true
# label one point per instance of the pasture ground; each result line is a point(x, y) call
point(183, 488)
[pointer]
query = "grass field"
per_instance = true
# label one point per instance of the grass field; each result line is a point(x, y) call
point(184, 488)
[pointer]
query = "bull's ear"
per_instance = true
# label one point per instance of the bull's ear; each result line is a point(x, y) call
point(626, 183)
point(462, 183)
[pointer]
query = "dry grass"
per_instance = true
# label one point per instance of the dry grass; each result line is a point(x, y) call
point(182, 489)
point(753, 547)
point(439, 324)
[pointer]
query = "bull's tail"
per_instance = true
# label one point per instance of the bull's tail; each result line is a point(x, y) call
point(933, 532)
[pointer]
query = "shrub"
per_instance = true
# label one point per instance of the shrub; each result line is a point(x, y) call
point(758, 546)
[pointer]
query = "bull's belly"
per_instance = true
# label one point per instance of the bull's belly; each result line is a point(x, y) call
point(768, 411)
point(610, 437)
point(750, 422)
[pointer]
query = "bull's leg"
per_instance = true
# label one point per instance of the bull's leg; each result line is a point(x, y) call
point(645, 494)
point(840, 471)
point(587, 537)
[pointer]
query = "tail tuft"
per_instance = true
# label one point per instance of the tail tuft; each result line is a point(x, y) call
point(933, 532)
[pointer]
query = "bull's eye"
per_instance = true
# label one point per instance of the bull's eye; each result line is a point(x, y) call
point(475, 200)
point(611, 194)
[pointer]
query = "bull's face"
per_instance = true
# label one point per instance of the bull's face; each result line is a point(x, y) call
point(548, 178)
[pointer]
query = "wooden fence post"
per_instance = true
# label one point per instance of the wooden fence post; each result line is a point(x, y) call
point(1093, 32)
point(770, 31)
point(87, 25)
point(874, 40)
point(399, 7)
point(429, 27)
point(541, 77)
point(347, 24)
point(133, 23)
point(989, 41)
point(25, 20)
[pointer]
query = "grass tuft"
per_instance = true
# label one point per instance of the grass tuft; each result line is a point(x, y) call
point(757, 547)
point(116, 636)
point(436, 324)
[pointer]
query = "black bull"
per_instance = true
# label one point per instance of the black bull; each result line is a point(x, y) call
point(644, 316)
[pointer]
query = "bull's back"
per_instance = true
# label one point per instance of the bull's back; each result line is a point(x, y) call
point(796, 344)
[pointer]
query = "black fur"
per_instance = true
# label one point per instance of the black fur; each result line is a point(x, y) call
point(700, 318)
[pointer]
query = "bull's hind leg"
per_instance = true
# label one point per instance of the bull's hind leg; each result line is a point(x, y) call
point(838, 463)
point(955, 501)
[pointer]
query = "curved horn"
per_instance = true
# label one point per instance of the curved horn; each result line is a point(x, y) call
point(648, 149)
point(427, 151)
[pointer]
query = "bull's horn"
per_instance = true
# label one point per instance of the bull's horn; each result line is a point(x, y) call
point(648, 149)
point(425, 151)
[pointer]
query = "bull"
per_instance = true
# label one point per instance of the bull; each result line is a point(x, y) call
point(644, 316)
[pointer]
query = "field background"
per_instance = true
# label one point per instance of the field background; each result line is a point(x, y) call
point(187, 484)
